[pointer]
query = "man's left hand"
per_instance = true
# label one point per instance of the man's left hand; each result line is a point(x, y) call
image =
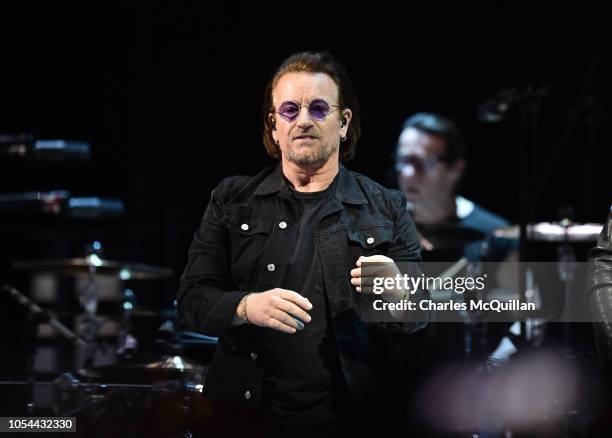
point(386, 268)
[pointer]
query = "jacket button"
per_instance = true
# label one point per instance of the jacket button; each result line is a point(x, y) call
point(370, 240)
point(271, 267)
point(247, 395)
point(254, 356)
point(282, 225)
point(244, 226)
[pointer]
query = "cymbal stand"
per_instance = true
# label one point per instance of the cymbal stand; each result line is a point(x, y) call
point(88, 298)
point(566, 266)
point(127, 343)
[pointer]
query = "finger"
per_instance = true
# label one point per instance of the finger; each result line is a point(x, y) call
point(374, 258)
point(286, 319)
point(300, 324)
point(382, 269)
point(367, 285)
point(356, 272)
point(277, 325)
point(296, 298)
point(289, 307)
point(365, 280)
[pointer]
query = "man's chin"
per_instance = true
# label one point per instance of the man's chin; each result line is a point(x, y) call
point(308, 159)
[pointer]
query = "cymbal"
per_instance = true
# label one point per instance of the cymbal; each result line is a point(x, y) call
point(162, 313)
point(80, 266)
point(144, 369)
point(448, 235)
point(553, 232)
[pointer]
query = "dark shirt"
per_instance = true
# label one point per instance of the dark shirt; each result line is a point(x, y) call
point(306, 368)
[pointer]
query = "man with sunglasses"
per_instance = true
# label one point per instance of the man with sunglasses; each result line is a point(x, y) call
point(430, 162)
point(275, 272)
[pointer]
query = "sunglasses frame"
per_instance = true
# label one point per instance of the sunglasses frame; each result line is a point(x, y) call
point(300, 106)
point(425, 167)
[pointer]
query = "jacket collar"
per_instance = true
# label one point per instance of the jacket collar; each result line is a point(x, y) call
point(347, 189)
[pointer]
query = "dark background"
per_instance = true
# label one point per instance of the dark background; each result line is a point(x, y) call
point(169, 95)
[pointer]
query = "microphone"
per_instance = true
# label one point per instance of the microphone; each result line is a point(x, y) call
point(23, 146)
point(61, 202)
point(93, 207)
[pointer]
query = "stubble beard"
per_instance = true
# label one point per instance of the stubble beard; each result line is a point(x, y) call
point(315, 157)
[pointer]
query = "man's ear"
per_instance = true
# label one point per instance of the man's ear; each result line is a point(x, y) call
point(345, 120)
point(272, 121)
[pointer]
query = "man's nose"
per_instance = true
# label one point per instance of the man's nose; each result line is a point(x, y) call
point(304, 119)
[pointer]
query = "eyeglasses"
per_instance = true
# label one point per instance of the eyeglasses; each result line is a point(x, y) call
point(318, 110)
point(419, 164)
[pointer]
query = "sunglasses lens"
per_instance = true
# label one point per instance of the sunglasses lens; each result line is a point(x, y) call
point(289, 110)
point(318, 109)
point(417, 163)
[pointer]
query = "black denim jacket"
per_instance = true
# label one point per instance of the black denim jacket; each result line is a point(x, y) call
point(242, 246)
point(599, 291)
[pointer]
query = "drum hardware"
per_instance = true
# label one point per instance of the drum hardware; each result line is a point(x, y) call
point(448, 236)
point(45, 316)
point(93, 265)
point(163, 396)
point(565, 234)
point(152, 313)
point(172, 403)
point(37, 316)
point(127, 343)
point(562, 231)
point(163, 383)
point(79, 266)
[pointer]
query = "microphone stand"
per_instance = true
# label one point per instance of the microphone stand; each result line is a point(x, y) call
point(528, 102)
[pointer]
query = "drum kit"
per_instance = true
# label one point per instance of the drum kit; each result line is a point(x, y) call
point(157, 393)
point(562, 243)
point(152, 393)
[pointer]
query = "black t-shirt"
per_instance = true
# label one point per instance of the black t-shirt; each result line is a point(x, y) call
point(303, 378)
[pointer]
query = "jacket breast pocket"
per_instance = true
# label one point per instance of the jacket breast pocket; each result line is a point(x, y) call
point(369, 241)
point(248, 238)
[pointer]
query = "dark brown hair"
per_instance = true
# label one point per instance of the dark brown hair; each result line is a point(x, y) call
point(315, 62)
point(437, 124)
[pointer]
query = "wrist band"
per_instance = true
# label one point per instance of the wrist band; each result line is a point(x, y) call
point(244, 314)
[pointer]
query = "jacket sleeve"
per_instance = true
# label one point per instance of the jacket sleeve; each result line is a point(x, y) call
point(405, 250)
point(205, 301)
point(598, 293)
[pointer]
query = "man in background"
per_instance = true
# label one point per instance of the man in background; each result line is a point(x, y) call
point(430, 163)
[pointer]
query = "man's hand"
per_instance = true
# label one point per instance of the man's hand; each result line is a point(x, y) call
point(273, 308)
point(387, 268)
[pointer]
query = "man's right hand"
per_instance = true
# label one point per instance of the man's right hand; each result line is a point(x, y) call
point(273, 307)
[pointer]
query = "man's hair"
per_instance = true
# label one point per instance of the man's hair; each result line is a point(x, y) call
point(436, 124)
point(315, 62)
